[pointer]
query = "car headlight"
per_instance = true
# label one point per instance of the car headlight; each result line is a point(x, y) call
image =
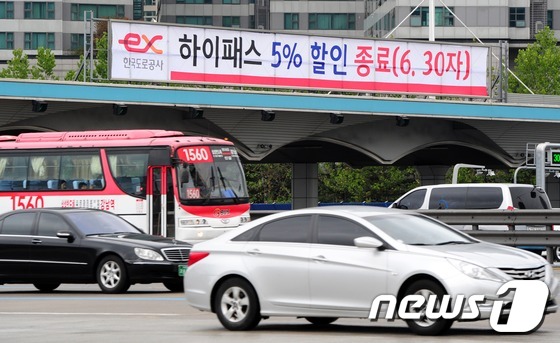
point(148, 254)
point(476, 272)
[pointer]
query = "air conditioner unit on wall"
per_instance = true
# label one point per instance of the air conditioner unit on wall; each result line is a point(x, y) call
point(539, 26)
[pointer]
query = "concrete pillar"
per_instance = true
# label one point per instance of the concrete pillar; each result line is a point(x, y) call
point(305, 185)
point(432, 175)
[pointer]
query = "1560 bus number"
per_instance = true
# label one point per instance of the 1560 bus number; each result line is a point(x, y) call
point(32, 201)
point(195, 154)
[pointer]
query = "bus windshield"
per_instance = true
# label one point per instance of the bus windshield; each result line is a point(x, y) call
point(212, 176)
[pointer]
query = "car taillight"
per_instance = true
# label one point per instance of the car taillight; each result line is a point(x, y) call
point(196, 256)
point(510, 208)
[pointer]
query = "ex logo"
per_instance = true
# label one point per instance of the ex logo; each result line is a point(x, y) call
point(132, 43)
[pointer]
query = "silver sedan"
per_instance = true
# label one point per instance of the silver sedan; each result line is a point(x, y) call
point(326, 263)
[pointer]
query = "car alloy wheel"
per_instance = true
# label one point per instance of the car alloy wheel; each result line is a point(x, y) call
point(236, 305)
point(425, 325)
point(112, 276)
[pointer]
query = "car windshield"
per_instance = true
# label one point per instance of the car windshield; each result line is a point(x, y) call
point(417, 230)
point(98, 223)
point(211, 181)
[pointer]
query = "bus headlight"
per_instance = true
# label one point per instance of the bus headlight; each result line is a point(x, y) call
point(148, 254)
point(245, 219)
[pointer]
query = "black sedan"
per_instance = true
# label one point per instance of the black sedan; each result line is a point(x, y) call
point(47, 247)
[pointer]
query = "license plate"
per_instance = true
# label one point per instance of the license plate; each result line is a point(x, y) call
point(182, 269)
point(536, 227)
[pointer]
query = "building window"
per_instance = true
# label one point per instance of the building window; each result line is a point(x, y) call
point(76, 41)
point(38, 10)
point(7, 40)
point(235, 2)
point(194, 20)
point(35, 40)
point(421, 17)
point(251, 21)
point(194, 1)
point(291, 21)
point(332, 21)
point(231, 21)
point(517, 17)
point(138, 9)
point(6, 10)
point(99, 11)
point(549, 19)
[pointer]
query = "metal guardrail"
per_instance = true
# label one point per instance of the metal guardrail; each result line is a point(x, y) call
point(511, 218)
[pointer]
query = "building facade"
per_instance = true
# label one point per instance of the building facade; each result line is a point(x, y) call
point(60, 26)
point(516, 21)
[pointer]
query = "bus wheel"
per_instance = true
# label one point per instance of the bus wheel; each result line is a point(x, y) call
point(46, 286)
point(112, 276)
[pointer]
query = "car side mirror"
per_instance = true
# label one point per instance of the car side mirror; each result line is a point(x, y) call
point(66, 235)
point(400, 206)
point(368, 242)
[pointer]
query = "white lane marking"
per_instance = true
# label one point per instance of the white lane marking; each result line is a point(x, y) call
point(89, 314)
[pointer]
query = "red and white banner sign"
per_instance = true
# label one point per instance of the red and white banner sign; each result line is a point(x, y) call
point(155, 52)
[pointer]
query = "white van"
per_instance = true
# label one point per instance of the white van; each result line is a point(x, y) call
point(479, 196)
point(474, 196)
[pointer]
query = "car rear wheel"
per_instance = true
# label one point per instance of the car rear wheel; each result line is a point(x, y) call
point(46, 286)
point(321, 321)
point(236, 305)
point(556, 253)
point(174, 286)
point(112, 276)
point(424, 325)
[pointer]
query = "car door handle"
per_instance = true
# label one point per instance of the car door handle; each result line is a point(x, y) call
point(254, 252)
point(319, 258)
point(36, 241)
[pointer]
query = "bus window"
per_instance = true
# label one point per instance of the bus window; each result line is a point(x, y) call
point(13, 168)
point(129, 170)
point(41, 169)
point(80, 168)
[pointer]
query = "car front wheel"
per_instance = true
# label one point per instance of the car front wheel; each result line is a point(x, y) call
point(557, 253)
point(424, 325)
point(236, 305)
point(112, 276)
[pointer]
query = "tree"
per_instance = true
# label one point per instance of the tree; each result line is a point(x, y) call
point(269, 183)
point(537, 66)
point(18, 66)
point(99, 65)
point(338, 182)
point(46, 62)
